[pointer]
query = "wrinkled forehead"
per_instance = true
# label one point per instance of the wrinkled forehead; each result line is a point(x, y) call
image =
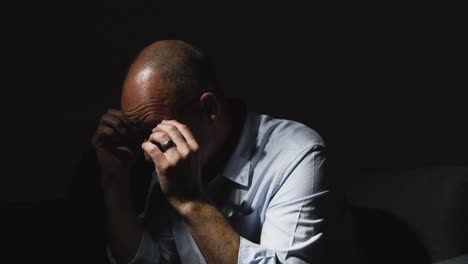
point(145, 95)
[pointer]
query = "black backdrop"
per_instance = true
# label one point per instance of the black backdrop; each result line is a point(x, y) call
point(384, 82)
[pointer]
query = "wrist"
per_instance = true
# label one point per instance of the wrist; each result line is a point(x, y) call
point(188, 209)
point(116, 180)
point(117, 193)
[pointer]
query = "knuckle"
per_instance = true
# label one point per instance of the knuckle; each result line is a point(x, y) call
point(172, 129)
point(145, 146)
point(154, 136)
point(171, 163)
point(163, 136)
point(151, 149)
point(184, 153)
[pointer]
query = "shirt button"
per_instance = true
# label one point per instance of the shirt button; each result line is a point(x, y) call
point(228, 212)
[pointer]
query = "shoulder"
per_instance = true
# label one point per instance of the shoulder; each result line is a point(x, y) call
point(287, 135)
point(288, 151)
point(282, 145)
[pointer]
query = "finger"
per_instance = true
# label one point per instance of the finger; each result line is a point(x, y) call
point(155, 153)
point(172, 154)
point(126, 151)
point(103, 133)
point(186, 133)
point(158, 137)
point(120, 115)
point(177, 138)
point(114, 122)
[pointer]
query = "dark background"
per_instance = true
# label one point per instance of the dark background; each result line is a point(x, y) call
point(384, 82)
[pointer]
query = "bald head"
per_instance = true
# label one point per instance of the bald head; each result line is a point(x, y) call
point(180, 64)
point(170, 80)
point(164, 76)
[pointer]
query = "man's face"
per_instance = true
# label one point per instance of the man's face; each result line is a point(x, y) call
point(146, 100)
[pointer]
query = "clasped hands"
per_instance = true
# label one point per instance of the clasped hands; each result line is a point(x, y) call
point(178, 168)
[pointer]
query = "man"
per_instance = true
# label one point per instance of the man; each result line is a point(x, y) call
point(228, 186)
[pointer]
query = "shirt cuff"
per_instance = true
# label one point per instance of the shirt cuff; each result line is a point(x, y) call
point(250, 252)
point(147, 252)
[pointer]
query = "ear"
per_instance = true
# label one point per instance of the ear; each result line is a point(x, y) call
point(210, 104)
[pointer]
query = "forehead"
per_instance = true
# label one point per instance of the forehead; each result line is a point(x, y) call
point(146, 95)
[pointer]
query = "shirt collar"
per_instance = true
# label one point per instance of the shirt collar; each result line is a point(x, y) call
point(238, 165)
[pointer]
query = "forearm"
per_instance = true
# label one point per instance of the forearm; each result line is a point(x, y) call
point(218, 242)
point(124, 230)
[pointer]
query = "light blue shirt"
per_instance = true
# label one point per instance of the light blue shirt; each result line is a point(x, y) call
point(274, 193)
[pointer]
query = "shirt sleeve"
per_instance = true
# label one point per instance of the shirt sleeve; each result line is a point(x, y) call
point(294, 224)
point(148, 252)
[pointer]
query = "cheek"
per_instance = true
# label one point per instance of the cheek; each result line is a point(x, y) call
point(200, 129)
point(204, 136)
